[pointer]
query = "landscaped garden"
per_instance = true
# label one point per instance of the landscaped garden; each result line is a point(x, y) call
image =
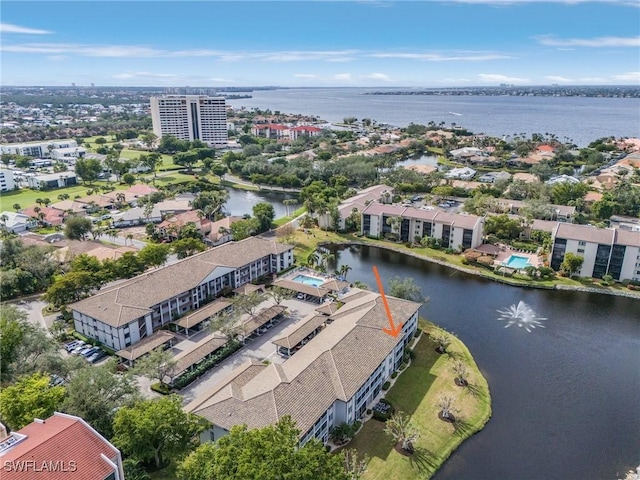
point(419, 392)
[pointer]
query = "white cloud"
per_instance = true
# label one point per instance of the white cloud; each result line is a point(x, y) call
point(495, 77)
point(436, 57)
point(9, 28)
point(377, 76)
point(628, 77)
point(557, 79)
point(305, 75)
point(589, 42)
point(342, 77)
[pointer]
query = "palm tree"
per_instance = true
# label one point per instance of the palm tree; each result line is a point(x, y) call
point(399, 426)
point(129, 237)
point(343, 270)
point(313, 259)
point(120, 198)
point(16, 207)
point(325, 258)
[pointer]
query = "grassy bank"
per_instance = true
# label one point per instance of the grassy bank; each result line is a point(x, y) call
point(416, 392)
point(281, 221)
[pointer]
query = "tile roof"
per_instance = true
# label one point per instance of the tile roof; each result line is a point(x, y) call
point(201, 314)
point(332, 366)
point(127, 301)
point(301, 287)
point(146, 345)
point(262, 317)
point(584, 232)
point(205, 348)
point(65, 439)
point(293, 336)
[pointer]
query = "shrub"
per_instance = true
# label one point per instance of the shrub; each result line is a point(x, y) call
point(386, 386)
point(418, 333)
point(450, 251)
point(403, 365)
point(408, 244)
point(368, 411)
point(394, 374)
point(465, 261)
point(161, 388)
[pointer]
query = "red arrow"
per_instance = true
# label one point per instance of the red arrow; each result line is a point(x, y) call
point(393, 329)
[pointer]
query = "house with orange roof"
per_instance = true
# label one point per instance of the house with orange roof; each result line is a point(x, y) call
point(171, 226)
point(62, 447)
point(51, 216)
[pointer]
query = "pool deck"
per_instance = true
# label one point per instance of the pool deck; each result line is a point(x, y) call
point(504, 255)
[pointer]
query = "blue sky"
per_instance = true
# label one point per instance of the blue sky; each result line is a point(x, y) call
point(321, 43)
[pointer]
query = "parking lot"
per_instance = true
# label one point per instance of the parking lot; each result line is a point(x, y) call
point(259, 348)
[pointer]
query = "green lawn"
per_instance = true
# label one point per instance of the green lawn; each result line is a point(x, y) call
point(281, 221)
point(416, 392)
point(26, 197)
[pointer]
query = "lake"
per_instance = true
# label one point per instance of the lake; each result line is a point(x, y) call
point(241, 202)
point(565, 397)
point(581, 119)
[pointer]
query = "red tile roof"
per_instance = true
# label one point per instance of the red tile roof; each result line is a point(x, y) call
point(51, 215)
point(66, 445)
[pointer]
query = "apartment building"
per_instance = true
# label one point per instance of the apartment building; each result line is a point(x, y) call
point(52, 180)
point(606, 251)
point(191, 117)
point(58, 448)
point(6, 180)
point(123, 315)
point(453, 230)
point(281, 132)
point(47, 149)
point(331, 380)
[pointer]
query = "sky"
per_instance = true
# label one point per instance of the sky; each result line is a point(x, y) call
point(321, 43)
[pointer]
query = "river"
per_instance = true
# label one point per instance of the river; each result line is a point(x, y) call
point(565, 397)
point(580, 119)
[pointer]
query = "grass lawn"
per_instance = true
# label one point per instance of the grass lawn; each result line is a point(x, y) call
point(26, 197)
point(281, 221)
point(416, 392)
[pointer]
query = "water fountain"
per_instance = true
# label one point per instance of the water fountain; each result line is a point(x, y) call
point(521, 315)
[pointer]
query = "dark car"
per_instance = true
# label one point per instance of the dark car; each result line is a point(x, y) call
point(96, 356)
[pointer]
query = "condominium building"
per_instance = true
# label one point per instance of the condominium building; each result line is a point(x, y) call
point(453, 230)
point(6, 180)
point(125, 314)
point(191, 117)
point(606, 251)
point(331, 380)
point(47, 149)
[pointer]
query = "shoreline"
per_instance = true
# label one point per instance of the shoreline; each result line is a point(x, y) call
point(470, 271)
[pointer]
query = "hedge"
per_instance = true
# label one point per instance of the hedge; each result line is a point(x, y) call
point(386, 386)
point(187, 377)
point(161, 388)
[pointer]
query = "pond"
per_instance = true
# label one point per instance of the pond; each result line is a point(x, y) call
point(565, 397)
point(241, 202)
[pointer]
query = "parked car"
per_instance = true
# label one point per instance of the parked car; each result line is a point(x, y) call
point(262, 329)
point(71, 345)
point(81, 350)
point(96, 356)
point(300, 296)
point(90, 352)
point(56, 380)
point(77, 347)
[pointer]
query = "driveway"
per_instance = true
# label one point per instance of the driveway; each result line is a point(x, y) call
point(33, 309)
point(259, 349)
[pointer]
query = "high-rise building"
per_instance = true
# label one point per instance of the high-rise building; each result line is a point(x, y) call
point(191, 117)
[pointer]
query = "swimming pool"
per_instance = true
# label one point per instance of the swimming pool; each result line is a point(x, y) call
point(313, 281)
point(517, 262)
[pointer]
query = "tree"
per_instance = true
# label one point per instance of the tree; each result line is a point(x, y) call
point(71, 287)
point(157, 365)
point(186, 159)
point(95, 393)
point(234, 457)
point(155, 430)
point(25, 347)
point(279, 294)
point(151, 161)
point(16, 207)
point(210, 202)
point(149, 139)
point(405, 288)
point(247, 303)
point(186, 247)
point(460, 369)
point(399, 427)
point(243, 229)
point(442, 339)
point(88, 169)
point(447, 407)
point(129, 178)
point(354, 465)
point(28, 398)
point(264, 214)
point(77, 228)
point(502, 226)
point(571, 263)
point(100, 141)
point(154, 255)
point(565, 192)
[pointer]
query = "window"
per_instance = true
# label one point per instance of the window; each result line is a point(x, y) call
point(581, 250)
point(582, 243)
